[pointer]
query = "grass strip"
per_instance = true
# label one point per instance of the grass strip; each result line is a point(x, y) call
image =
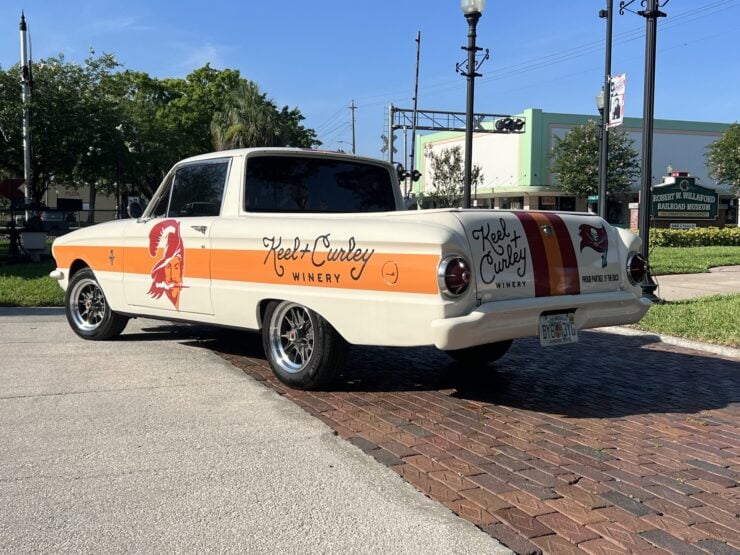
point(714, 319)
point(29, 284)
point(691, 260)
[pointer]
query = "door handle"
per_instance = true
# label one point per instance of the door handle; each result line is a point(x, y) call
point(200, 228)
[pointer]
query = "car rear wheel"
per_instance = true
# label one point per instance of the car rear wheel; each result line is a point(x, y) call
point(87, 309)
point(303, 349)
point(480, 355)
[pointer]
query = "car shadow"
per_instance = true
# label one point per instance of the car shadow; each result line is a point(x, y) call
point(605, 375)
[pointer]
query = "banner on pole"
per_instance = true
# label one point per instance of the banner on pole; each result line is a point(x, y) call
point(616, 99)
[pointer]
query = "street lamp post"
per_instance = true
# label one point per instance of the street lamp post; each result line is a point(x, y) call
point(472, 9)
point(651, 16)
point(604, 108)
point(603, 146)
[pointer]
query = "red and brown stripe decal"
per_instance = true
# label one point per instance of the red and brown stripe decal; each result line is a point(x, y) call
point(554, 259)
point(537, 249)
point(571, 277)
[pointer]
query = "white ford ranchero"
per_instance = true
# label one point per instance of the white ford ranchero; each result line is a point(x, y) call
point(314, 250)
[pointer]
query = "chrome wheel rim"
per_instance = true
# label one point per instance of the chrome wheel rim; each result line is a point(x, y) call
point(292, 337)
point(87, 304)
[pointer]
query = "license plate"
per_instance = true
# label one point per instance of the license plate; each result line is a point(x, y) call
point(557, 329)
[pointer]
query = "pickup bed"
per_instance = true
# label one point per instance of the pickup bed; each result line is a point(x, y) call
point(314, 250)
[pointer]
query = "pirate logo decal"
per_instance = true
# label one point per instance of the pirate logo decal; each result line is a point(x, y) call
point(596, 239)
point(165, 241)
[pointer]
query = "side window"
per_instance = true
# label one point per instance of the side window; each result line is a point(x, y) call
point(159, 209)
point(198, 189)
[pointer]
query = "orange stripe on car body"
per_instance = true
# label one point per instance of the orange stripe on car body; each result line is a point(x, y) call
point(403, 273)
point(106, 259)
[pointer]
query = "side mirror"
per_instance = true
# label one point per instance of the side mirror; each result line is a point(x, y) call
point(134, 210)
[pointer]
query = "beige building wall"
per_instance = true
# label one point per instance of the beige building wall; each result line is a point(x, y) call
point(105, 205)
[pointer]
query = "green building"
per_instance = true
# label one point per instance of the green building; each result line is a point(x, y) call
point(516, 167)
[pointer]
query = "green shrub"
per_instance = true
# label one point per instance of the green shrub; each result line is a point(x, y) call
point(696, 237)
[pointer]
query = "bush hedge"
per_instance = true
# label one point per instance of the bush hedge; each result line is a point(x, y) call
point(696, 237)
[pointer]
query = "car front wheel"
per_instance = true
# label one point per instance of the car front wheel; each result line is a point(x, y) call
point(87, 309)
point(303, 349)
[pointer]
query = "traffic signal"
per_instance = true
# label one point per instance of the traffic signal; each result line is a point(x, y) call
point(508, 125)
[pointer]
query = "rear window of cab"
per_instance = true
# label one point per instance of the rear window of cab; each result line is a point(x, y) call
point(313, 184)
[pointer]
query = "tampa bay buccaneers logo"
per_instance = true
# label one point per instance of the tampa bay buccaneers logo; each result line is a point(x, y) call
point(165, 241)
point(596, 239)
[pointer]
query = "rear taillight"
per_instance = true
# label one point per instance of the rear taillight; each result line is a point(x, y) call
point(637, 268)
point(454, 276)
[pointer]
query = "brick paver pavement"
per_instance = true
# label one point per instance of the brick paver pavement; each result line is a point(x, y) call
point(613, 445)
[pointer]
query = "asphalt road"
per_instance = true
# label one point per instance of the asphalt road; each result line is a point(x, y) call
point(151, 443)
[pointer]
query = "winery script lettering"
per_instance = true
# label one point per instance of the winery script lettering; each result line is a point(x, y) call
point(501, 251)
point(320, 253)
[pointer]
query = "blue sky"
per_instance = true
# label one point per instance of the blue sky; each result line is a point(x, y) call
point(320, 55)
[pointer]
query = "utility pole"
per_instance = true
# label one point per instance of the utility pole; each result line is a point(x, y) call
point(391, 111)
point(416, 102)
point(28, 187)
point(406, 182)
point(604, 146)
point(353, 108)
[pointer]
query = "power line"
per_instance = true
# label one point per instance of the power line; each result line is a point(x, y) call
point(564, 55)
point(328, 135)
point(330, 120)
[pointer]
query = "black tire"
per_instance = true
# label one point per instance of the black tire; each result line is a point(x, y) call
point(303, 349)
point(480, 355)
point(87, 309)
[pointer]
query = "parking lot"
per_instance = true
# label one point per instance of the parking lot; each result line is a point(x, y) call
point(152, 442)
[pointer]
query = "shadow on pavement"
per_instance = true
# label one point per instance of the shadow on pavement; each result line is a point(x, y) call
point(604, 376)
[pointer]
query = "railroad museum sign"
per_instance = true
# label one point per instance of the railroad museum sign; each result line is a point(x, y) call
point(680, 198)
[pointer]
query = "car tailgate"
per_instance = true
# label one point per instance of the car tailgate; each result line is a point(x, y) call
point(521, 254)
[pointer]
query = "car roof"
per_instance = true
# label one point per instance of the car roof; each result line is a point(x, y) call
point(243, 152)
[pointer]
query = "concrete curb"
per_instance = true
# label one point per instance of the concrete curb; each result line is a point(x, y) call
point(721, 350)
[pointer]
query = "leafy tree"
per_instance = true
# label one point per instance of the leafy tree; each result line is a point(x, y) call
point(151, 140)
point(294, 133)
point(96, 125)
point(72, 122)
point(170, 119)
point(11, 140)
point(98, 161)
point(576, 161)
point(723, 158)
point(448, 177)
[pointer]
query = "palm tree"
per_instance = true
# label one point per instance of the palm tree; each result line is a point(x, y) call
point(249, 119)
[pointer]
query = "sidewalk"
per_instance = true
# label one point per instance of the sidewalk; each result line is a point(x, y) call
point(723, 280)
point(154, 444)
